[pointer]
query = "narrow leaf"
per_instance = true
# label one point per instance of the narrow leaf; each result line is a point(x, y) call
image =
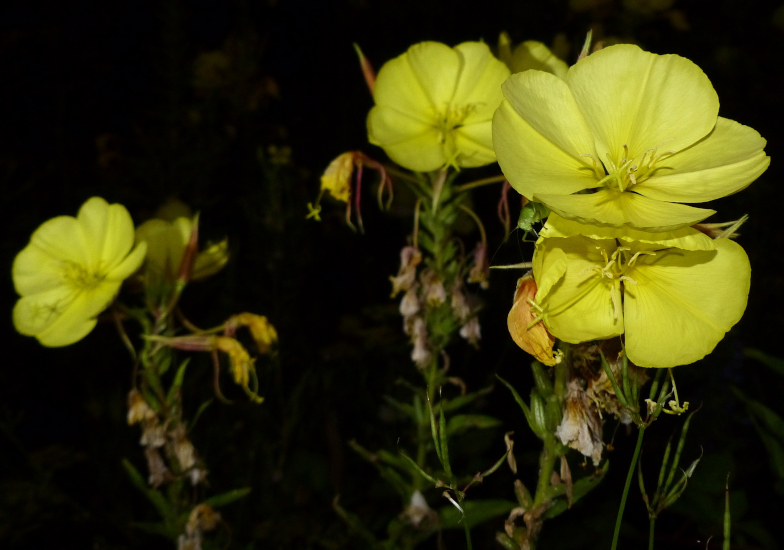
point(444, 445)
point(228, 497)
point(419, 470)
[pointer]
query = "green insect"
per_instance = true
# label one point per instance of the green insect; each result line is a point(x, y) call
point(532, 212)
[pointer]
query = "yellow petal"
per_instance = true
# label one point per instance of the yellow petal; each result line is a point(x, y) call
point(62, 316)
point(34, 270)
point(535, 55)
point(724, 162)
point(479, 83)
point(544, 157)
point(337, 177)
point(686, 238)
point(475, 144)
point(108, 233)
point(407, 141)
point(624, 209)
point(61, 238)
point(157, 234)
point(129, 265)
point(436, 67)
point(639, 99)
point(684, 303)
point(397, 87)
point(580, 307)
point(211, 260)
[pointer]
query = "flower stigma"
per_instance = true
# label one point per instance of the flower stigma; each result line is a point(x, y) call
point(80, 277)
point(628, 172)
point(617, 266)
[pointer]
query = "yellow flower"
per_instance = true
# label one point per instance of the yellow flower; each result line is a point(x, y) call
point(166, 245)
point(434, 106)
point(71, 271)
point(622, 139)
point(530, 55)
point(673, 299)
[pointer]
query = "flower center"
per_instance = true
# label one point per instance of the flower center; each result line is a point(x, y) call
point(616, 268)
point(449, 120)
point(627, 172)
point(79, 277)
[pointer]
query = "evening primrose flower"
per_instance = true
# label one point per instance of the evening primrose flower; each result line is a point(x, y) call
point(622, 140)
point(72, 270)
point(530, 55)
point(166, 245)
point(434, 106)
point(673, 297)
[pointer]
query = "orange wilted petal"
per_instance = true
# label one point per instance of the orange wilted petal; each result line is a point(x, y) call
point(527, 331)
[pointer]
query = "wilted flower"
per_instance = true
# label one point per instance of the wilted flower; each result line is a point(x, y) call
point(433, 292)
point(138, 409)
point(673, 296)
point(581, 427)
point(336, 181)
point(410, 307)
point(262, 331)
point(420, 354)
point(183, 448)
point(434, 106)
point(472, 332)
point(410, 258)
point(153, 434)
point(72, 270)
point(418, 511)
point(242, 365)
point(524, 323)
point(480, 271)
point(159, 473)
point(459, 303)
point(640, 130)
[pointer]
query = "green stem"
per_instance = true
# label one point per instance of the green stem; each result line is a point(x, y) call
point(479, 183)
point(632, 466)
point(467, 533)
point(650, 533)
point(546, 466)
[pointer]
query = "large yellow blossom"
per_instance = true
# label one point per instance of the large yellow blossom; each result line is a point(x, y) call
point(673, 296)
point(71, 271)
point(435, 104)
point(622, 139)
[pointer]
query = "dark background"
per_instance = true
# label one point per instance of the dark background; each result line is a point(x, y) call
point(98, 98)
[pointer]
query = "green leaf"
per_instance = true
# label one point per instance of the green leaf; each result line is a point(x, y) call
point(463, 400)
point(417, 469)
point(773, 363)
point(200, 410)
point(228, 497)
point(444, 445)
point(495, 466)
point(476, 512)
point(526, 411)
point(153, 495)
point(771, 421)
point(405, 408)
point(581, 487)
point(174, 390)
point(155, 528)
point(463, 422)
